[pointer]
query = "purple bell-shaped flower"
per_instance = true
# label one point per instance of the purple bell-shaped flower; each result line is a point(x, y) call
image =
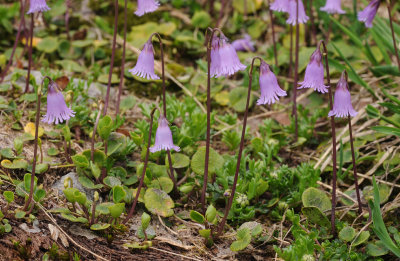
point(270, 90)
point(146, 6)
point(163, 137)
point(280, 6)
point(224, 59)
point(333, 7)
point(302, 18)
point(36, 6)
point(314, 76)
point(342, 103)
point(244, 44)
point(145, 64)
point(57, 110)
point(368, 14)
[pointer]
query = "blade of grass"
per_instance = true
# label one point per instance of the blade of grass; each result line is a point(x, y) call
point(379, 225)
point(381, 46)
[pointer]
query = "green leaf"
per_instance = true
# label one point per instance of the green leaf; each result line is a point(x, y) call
point(95, 170)
point(116, 209)
point(15, 164)
point(111, 181)
point(70, 65)
point(211, 214)
point(363, 237)
point(163, 183)
point(347, 234)
point(9, 196)
point(377, 249)
point(238, 98)
point(243, 240)
point(98, 227)
point(19, 214)
point(379, 226)
point(70, 194)
point(387, 130)
point(158, 202)
point(127, 103)
point(313, 197)
point(53, 152)
point(314, 215)
point(118, 194)
point(197, 217)
point(179, 161)
point(201, 19)
point(145, 220)
point(384, 193)
point(7, 153)
point(253, 226)
point(48, 45)
point(205, 233)
point(80, 161)
point(99, 157)
point(105, 127)
point(88, 183)
point(116, 143)
point(39, 194)
point(74, 219)
point(198, 161)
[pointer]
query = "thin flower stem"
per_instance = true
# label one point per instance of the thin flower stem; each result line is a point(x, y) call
point(94, 132)
point(30, 55)
point(354, 168)
point(221, 12)
point(132, 210)
point(121, 76)
point(296, 74)
point(334, 176)
point(313, 28)
point(21, 23)
point(112, 56)
point(35, 145)
point(67, 6)
point(393, 36)
point(171, 169)
point(271, 15)
point(228, 207)
point(208, 133)
point(291, 52)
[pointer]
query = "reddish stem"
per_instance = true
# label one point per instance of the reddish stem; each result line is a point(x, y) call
point(112, 56)
point(30, 55)
point(334, 176)
point(354, 167)
point(396, 52)
point(122, 74)
point(146, 160)
point(228, 207)
point(296, 74)
point(22, 22)
point(273, 33)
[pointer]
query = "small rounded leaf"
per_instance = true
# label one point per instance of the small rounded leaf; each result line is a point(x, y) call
point(313, 197)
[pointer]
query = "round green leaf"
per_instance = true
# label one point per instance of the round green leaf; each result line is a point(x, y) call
point(197, 217)
point(105, 127)
point(116, 209)
point(48, 45)
point(313, 197)
point(158, 202)
point(80, 161)
point(384, 193)
point(238, 99)
point(243, 240)
point(145, 220)
point(179, 161)
point(198, 160)
point(362, 238)
point(163, 183)
point(201, 19)
point(347, 234)
point(9, 196)
point(118, 194)
point(314, 215)
point(98, 227)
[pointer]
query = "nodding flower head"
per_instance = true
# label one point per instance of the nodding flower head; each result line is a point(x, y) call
point(37, 6)
point(146, 6)
point(224, 59)
point(244, 44)
point(163, 137)
point(57, 110)
point(270, 90)
point(314, 76)
point(342, 104)
point(302, 18)
point(333, 7)
point(145, 64)
point(368, 14)
point(280, 6)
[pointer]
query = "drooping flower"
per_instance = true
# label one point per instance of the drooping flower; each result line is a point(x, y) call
point(280, 6)
point(37, 6)
point(314, 76)
point(333, 7)
point(57, 110)
point(145, 64)
point(163, 137)
point(368, 14)
point(224, 59)
point(302, 18)
point(244, 44)
point(342, 103)
point(146, 6)
point(270, 90)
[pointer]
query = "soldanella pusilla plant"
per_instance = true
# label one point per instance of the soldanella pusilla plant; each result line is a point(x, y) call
point(199, 130)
